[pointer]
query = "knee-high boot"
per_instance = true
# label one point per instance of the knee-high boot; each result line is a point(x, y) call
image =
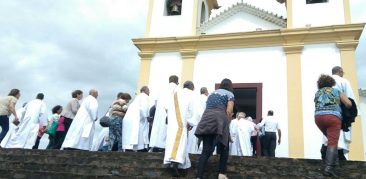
point(330, 161)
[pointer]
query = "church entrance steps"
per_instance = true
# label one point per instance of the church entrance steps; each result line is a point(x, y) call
point(39, 164)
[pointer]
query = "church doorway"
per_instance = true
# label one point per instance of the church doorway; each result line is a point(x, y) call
point(248, 99)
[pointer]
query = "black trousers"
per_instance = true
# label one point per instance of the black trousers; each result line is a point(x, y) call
point(37, 143)
point(209, 144)
point(270, 140)
point(67, 123)
point(253, 140)
point(4, 124)
point(59, 139)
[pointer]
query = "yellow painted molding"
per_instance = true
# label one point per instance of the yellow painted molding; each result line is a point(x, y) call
point(149, 17)
point(188, 53)
point(145, 64)
point(188, 56)
point(289, 13)
point(293, 48)
point(146, 55)
point(268, 38)
point(294, 100)
point(195, 17)
point(347, 12)
point(347, 45)
point(348, 62)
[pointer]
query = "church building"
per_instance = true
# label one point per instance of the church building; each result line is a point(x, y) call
point(272, 50)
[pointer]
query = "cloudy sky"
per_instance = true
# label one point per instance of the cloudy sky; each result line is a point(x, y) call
point(55, 47)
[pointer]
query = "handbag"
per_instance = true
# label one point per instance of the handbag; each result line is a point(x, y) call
point(52, 129)
point(105, 120)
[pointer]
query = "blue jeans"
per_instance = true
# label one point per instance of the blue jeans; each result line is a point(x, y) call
point(115, 134)
point(4, 124)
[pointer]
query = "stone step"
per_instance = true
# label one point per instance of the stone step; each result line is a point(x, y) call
point(84, 164)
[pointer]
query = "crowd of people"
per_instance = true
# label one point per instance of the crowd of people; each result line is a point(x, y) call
point(178, 124)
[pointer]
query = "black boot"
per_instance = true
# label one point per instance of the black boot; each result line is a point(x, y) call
point(174, 169)
point(330, 162)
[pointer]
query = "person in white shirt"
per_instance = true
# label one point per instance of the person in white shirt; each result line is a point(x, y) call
point(234, 145)
point(244, 131)
point(7, 107)
point(271, 125)
point(159, 127)
point(81, 132)
point(135, 133)
point(32, 126)
point(181, 116)
point(254, 136)
point(344, 141)
point(200, 106)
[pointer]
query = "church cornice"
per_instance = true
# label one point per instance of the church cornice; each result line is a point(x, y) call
point(242, 7)
point(339, 34)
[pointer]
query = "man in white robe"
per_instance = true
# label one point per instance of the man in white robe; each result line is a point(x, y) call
point(35, 116)
point(234, 146)
point(81, 132)
point(193, 147)
point(181, 115)
point(135, 133)
point(344, 141)
point(159, 128)
point(244, 132)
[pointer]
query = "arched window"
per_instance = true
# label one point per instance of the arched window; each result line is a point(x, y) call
point(173, 7)
point(203, 13)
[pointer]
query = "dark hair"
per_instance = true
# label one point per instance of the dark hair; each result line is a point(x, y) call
point(56, 108)
point(325, 81)
point(14, 92)
point(336, 70)
point(227, 85)
point(75, 93)
point(173, 79)
point(270, 113)
point(126, 96)
point(119, 95)
point(189, 85)
point(144, 89)
point(203, 90)
point(40, 96)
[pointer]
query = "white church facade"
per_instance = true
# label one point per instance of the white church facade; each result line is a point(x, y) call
point(273, 54)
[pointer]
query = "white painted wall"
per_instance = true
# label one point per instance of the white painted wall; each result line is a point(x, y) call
point(315, 60)
point(166, 26)
point(362, 112)
point(163, 65)
point(241, 22)
point(255, 65)
point(318, 14)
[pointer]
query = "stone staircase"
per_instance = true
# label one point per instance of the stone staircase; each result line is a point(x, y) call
point(39, 164)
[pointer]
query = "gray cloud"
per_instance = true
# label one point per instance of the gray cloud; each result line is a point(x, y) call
point(55, 47)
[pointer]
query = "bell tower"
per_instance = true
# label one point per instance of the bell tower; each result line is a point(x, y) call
point(314, 13)
point(171, 18)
